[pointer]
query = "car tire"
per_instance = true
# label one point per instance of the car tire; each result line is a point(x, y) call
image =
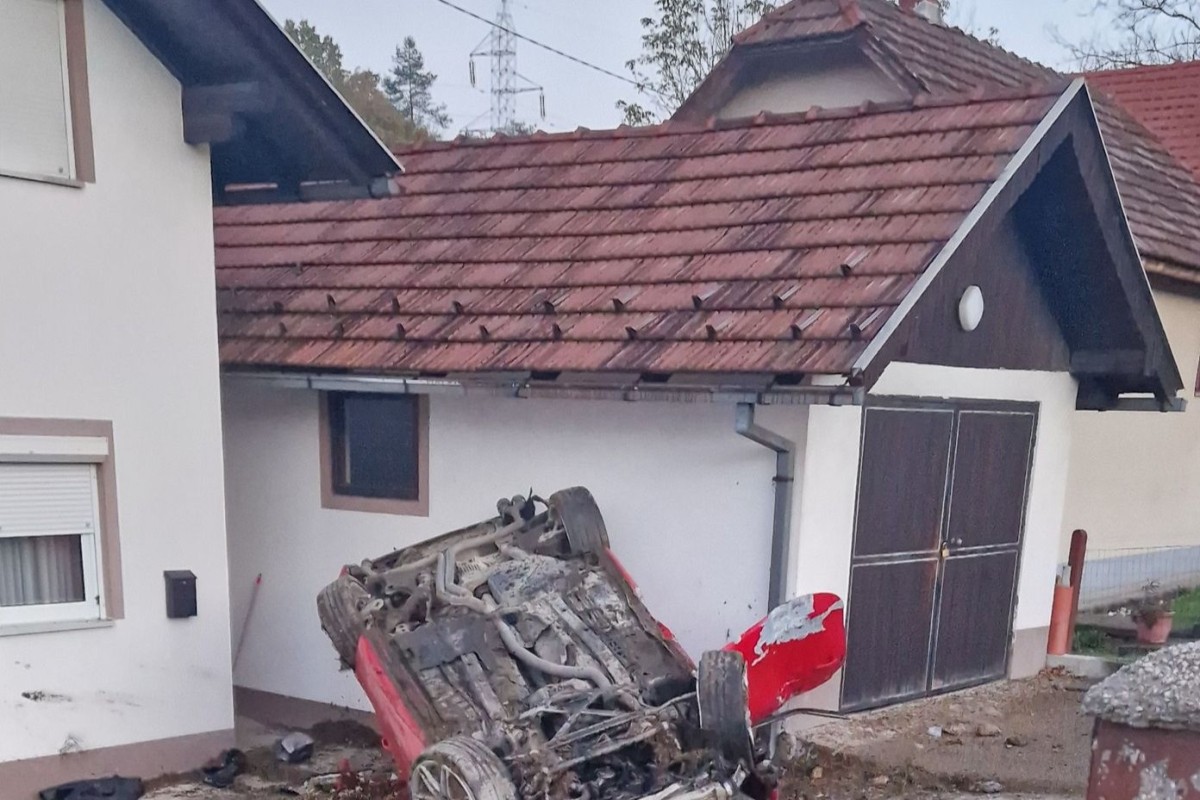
point(339, 607)
point(722, 695)
point(580, 517)
point(460, 768)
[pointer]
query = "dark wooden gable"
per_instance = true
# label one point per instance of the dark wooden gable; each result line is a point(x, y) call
point(1063, 285)
point(1018, 329)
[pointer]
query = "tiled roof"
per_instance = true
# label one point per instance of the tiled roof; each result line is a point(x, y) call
point(1166, 99)
point(938, 56)
point(776, 245)
point(1162, 200)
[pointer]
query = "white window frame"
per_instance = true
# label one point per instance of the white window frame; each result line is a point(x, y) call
point(66, 83)
point(68, 112)
point(82, 450)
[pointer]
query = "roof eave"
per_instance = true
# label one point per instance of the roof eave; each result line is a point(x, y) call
point(224, 47)
point(1159, 377)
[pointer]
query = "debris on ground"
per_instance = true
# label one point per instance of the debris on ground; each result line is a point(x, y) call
point(1159, 690)
point(114, 788)
point(1025, 736)
point(294, 748)
point(987, 787)
point(221, 771)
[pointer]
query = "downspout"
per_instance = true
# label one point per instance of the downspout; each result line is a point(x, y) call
point(785, 477)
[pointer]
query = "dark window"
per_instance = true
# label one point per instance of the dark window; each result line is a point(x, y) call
point(375, 445)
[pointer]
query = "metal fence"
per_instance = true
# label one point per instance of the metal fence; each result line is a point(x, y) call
point(1116, 576)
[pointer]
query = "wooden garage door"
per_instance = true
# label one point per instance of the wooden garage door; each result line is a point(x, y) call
point(941, 505)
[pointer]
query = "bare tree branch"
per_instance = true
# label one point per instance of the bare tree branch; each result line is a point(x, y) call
point(680, 46)
point(1148, 32)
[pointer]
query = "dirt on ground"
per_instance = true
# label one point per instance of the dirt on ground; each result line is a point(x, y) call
point(347, 764)
point(1018, 740)
point(1018, 736)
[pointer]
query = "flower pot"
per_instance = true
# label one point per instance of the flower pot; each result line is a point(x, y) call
point(1158, 632)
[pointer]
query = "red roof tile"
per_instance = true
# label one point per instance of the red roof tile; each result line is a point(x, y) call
point(1162, 200)
point(780, 245)
point(1166, 99)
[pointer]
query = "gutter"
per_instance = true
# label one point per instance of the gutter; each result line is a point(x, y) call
point(521, 386)
point(785, 477)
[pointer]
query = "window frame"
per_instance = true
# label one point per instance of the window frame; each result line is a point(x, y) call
point(332, 499)
point(77, 103)
point(91, 607)
point(67, 441)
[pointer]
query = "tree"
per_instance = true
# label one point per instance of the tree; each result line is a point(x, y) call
point(361, 88)
point(322, 51)
point(409, 86)
point(1149, 32)
point(680, 46)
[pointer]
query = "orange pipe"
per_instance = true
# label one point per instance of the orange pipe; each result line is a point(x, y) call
point(1060, 621)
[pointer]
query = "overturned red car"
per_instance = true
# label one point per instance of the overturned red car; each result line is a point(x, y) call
point(515, 659)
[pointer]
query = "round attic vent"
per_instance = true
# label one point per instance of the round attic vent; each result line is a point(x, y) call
point(970, 308)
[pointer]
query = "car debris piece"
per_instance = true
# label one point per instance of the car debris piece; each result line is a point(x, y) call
point(294, 748)
point(515, 659)
point(222, 770)
point(114, 788)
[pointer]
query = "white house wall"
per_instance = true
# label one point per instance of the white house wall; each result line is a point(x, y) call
point(687, 501)
point(107, 312)
point(1133, 477)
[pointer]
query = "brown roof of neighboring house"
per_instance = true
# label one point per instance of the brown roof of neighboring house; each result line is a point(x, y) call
point(775, 245)
point(1162, 200)
point(1164, 98)
point(939, 56)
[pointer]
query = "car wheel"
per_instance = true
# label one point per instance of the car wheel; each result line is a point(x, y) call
point(339, 607)
point(580, 517)
point(722, 695)
point(460, 768)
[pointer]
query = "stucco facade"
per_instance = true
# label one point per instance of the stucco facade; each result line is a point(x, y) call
point(1132, 482)
point(107, 313)
point(688, 505)
point(687, 501)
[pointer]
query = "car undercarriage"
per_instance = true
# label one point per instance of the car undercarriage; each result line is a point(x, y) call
point(514, 658)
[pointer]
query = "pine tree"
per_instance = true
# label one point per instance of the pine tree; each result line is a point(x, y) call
point(360, 87)
point(409, 86)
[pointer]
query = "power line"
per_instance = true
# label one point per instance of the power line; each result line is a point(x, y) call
point(536, 43)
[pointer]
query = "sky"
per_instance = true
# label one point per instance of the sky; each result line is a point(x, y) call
point(606, 33)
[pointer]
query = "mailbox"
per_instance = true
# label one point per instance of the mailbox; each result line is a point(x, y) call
point(181, 593)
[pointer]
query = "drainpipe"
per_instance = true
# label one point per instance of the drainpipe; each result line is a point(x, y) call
point(785, 476)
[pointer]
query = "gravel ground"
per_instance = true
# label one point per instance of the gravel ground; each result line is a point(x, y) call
point(1162, 689)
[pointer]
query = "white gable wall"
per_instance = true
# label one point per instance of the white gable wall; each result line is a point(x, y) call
point(107, 312)
point(835, 82)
